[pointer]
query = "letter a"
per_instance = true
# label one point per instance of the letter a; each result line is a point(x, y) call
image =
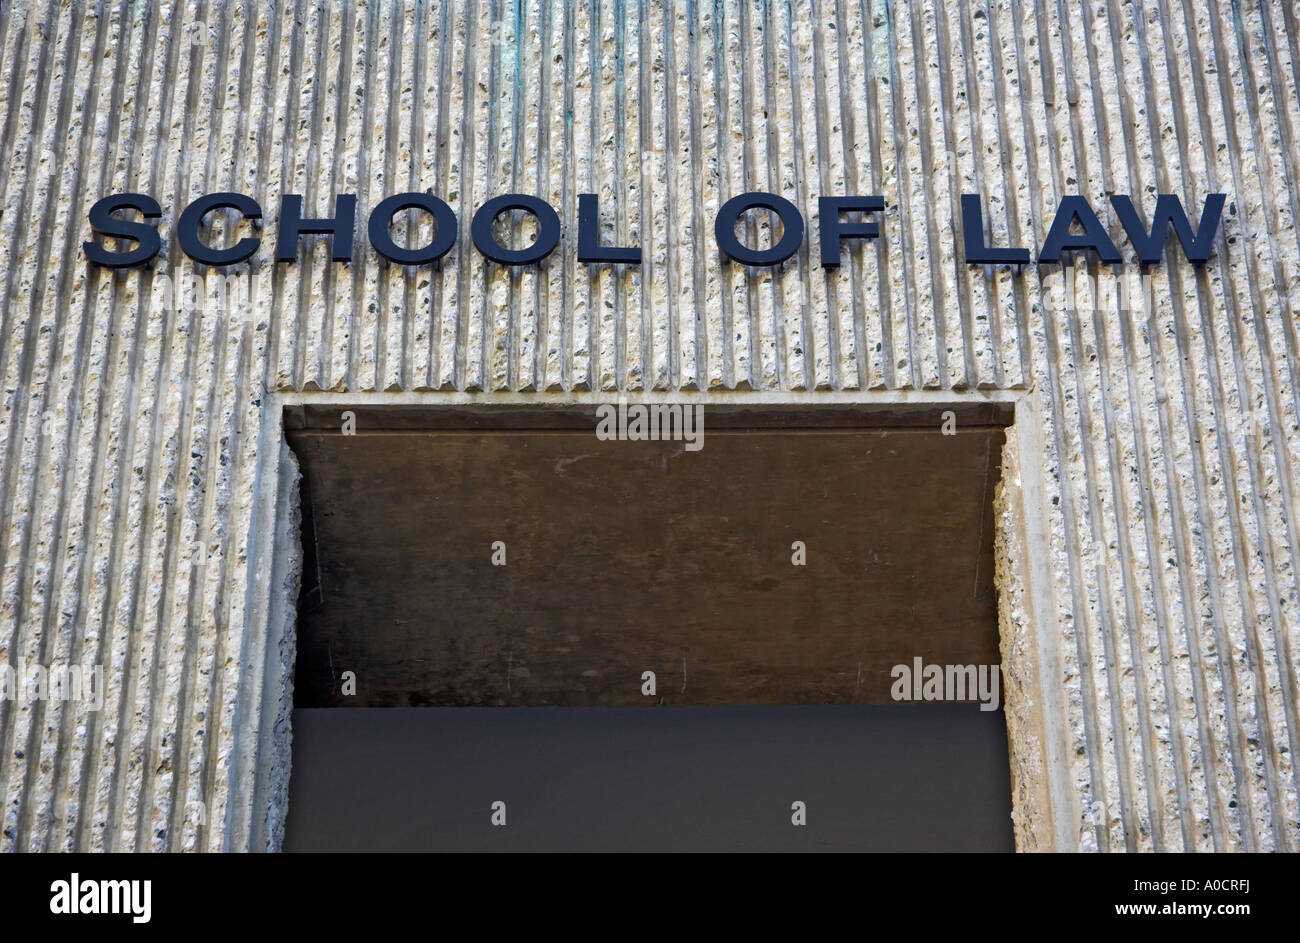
point(349, 683)
point(800, 555)
point(498, 553)
point(798, 813)
point(932, 688)
point(59, 902)
point(648, 683)
point(1059, 237)
point(902, 685)
point(636, 424)
point(949, 426)
point(606, 426)
point(498, 813)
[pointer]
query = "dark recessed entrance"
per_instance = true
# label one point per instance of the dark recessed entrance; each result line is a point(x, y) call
point(511, 565)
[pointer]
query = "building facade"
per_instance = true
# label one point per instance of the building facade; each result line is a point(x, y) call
point(1146, 541)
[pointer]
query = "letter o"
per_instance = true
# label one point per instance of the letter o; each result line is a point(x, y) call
point(444, 236)
point(548, 235)
point(724, 228)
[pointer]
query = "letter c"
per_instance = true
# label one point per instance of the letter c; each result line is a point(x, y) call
point(187, 229)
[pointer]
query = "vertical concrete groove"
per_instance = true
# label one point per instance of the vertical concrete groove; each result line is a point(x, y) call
point(1257, 105)
point(104, 736)
point(1087, 718)
point(53, 637)
point(907, 244)
point(1013, 297)
point(1146, 725)
point(20, 328)
point(710, 372)
point(855, 374)
point(871, 80)
point(1259, 735)
point(79, 494)
point(1195, 554)
point(1188, 816)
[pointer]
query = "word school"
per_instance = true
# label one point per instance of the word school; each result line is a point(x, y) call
point(835, 225)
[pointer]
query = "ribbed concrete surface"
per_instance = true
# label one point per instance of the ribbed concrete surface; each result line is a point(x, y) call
point(1162, 444)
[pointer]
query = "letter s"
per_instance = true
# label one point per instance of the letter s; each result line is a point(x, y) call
point(104, 223)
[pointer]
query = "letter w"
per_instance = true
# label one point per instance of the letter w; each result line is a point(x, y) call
point(1150, 246)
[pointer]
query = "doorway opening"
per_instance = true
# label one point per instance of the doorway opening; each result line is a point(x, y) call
point(517, 634)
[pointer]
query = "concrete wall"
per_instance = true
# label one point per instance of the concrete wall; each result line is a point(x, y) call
point(1147, 520)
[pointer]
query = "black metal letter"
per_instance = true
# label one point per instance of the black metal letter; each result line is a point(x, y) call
point(340, 229)
point(1093, 237)
point(977, 252)
point(724, 229)
point(1150, 246)
point(548, 229)
point(834, 230)
point(444, 235)
point(104, 223)
point(589, 247)
point(187, 229)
